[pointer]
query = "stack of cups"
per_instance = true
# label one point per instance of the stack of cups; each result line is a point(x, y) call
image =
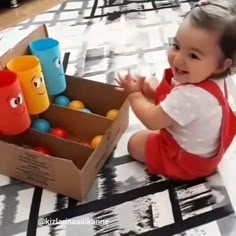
point(26, 85)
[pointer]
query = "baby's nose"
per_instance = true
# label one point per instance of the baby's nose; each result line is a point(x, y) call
point(179, 60)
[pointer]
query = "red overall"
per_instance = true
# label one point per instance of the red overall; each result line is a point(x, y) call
point(165, 157)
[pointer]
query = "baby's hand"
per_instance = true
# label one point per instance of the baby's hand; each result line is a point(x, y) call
point(130, 84)
point(149, 88)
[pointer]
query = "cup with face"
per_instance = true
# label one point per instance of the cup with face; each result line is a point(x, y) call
point(29, 72)
point(14, 116)
point(48, 51)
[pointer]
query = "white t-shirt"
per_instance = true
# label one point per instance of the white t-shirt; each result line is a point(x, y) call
point(198, 117)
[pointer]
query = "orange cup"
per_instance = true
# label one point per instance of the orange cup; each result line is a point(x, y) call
point(29, 72)
point(14, 116)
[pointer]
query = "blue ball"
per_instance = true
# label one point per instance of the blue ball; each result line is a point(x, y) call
point(62, 101)
point(86, 110)
point(41, 125)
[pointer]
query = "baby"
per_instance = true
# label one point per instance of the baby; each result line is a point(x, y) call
point(190, 124)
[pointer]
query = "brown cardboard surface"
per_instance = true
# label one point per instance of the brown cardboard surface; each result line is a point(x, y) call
point(102, 152)
point(54, 174)
point(22, 47)
point(80, 125)
point(61, 148)
point(99, 98)
point(72, 168)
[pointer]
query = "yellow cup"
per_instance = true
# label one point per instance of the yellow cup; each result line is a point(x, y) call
point(31, 79)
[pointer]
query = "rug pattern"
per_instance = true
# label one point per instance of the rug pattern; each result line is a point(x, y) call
point(102, 37)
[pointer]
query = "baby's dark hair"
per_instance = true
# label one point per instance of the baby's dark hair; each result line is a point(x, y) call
point(219, 16)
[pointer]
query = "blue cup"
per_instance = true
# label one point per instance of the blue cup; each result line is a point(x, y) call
point(47, 50)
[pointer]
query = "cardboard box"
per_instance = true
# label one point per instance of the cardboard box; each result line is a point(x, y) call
point(73, 167)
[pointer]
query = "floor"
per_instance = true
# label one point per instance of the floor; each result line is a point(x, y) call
point(27, 9)
point(103, 38)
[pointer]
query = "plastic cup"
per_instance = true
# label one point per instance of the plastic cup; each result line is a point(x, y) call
point(14, 116)
point(49, 53)
point(29, 72)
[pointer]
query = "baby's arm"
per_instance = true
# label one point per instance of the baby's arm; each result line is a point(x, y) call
point(151, 115)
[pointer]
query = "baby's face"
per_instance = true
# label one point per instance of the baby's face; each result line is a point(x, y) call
point(195, 53)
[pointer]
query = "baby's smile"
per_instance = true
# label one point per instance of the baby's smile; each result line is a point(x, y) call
point(179, 71)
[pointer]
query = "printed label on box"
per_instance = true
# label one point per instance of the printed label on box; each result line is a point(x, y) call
point(32, 168)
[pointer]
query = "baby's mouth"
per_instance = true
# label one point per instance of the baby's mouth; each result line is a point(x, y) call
point(180, 71)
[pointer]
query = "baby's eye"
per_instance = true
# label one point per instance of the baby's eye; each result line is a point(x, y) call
point(37, 83)
point(57, 63)
point(194, 56)
point(175, 46)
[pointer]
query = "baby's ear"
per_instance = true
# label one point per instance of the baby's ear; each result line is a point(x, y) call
point(225, 65)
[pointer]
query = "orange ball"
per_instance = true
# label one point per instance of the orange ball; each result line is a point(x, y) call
point(96, 141)
point(112, 114)
point(76, 105)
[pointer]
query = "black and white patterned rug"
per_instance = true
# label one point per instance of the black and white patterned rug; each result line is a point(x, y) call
point(102, 37)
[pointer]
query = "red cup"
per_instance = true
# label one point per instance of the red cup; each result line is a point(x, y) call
point(14, 116)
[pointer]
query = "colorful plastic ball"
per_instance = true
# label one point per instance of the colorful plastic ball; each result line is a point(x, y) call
point(41, 125)
point(62, 101)
point(58, 132)
point(76, 105)
point(96, 141)
point(85, 110)
point(42, 150)
point(112, 114)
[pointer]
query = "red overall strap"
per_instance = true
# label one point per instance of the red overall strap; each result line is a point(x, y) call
point(229, 121)
point(211, 87)
point(228, 130)
point(164, 87)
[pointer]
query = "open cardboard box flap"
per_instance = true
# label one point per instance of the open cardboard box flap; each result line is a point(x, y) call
point(72, 168)
point(22, 48)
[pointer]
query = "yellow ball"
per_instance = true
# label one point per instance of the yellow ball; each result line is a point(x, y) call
point(76, 105)
point(96, 141)
point(112, 114)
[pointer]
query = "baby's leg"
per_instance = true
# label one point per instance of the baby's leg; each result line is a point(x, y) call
point(137, 143)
